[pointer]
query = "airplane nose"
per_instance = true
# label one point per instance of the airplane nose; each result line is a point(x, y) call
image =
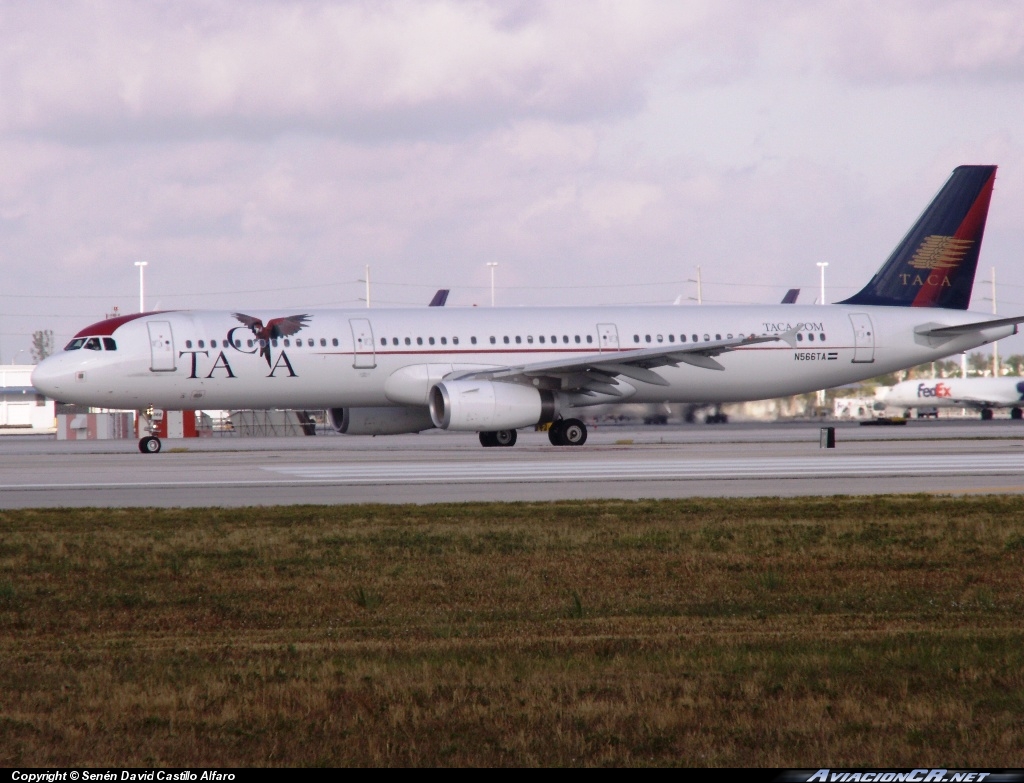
point(52, 376)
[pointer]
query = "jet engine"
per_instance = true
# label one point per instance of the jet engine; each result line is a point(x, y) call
point(486, 406)
point(379, 421)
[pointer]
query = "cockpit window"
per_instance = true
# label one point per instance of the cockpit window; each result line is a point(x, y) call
point(75, 344)
point(109, 344)
point(93, 344)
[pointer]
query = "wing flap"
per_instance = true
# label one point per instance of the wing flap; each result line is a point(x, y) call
point(597, 371)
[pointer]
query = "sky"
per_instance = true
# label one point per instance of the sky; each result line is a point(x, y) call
point(262, 155)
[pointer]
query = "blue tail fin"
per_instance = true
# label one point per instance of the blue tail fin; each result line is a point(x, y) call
point(934, 265)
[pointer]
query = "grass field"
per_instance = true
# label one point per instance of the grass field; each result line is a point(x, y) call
point(792, 633)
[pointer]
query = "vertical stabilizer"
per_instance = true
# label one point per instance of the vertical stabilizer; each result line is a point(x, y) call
point(935, 263)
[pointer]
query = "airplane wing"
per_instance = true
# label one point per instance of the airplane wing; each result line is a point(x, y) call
point(596, 372)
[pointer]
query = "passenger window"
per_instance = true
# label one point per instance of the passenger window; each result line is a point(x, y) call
point(493, 340)
point(273, 342)
point(810, 336)
point(707, 338)
point(554, 338)
point(383, 340)
point(577, 339)
point(334, 341)
point(541, 338)
point(455, 341)
point(799, 337)
point(590, 338)
point(93, 344)
point(505, 339)
point(636, 338)
point(419, 341)
point(660, 339)
point(472, 340)
point(394, 341)
point(287, 343)
point(188, 343)
point(647, 338)
point(694, 337)
point(682, 338)
point(519, 340)
point(671, 338)
point(729, 335)
point(202, 343)
point(444, 341)
point(565, 338)
point(822, 337)
point(529, 339)
point(407, 341)
point(430, 340)
point(109, 344)
point(718, 337)
point(323, 342)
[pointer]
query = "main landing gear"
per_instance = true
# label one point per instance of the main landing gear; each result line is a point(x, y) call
point(564, 432)
point(499, 438)
point(150, 445)
point(567, 432)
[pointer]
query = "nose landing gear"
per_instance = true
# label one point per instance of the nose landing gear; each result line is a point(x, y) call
point(150, 444)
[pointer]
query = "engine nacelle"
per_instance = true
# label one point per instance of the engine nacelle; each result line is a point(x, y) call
point(486, 406)
point(379, 421)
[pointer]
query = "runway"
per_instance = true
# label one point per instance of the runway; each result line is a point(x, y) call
point(643, 462)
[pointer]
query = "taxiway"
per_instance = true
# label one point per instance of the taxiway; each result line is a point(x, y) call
point(736, 460)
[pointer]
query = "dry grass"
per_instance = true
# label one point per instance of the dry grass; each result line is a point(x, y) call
point(789, 633)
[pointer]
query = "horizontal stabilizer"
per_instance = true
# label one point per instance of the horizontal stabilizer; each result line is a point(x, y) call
point(971, 328)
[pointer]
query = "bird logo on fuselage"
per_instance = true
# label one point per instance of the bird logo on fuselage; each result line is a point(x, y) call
point(274, 328)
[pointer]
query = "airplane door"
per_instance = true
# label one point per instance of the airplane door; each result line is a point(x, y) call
point(364, 355)
point(863, 338)
point(161, 347)
point(607, 337)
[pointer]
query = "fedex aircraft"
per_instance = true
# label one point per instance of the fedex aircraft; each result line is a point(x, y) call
point(981, 394)
point(493, 371)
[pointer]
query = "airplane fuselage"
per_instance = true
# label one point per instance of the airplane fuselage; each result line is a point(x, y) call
point(392, 357)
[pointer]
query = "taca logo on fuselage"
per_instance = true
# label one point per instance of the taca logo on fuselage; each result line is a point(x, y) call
point(266, 336)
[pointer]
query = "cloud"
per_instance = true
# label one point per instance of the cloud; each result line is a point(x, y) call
point(101, 70)
point(913, 40)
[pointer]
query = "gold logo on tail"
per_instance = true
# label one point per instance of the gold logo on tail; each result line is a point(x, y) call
point(938, 252)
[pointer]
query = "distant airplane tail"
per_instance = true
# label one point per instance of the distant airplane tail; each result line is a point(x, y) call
point(935, 263)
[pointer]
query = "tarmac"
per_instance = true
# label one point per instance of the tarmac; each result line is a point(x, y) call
point(948, 456)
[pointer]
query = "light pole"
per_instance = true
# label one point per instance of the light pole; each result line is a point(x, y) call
point(995, 345)
point(142, 287)
point(700, 295)
point(821, 266)
point(493, 265)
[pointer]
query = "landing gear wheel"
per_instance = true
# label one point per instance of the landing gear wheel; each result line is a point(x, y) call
point(573, 432)
point(1016, 413)
point(505, 438)
point(150, 445)
point(986, 414)
point(488, 439)
point(555, 433)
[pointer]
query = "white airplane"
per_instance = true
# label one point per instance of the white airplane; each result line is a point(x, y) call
point(980, 394)
point(493, 370)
